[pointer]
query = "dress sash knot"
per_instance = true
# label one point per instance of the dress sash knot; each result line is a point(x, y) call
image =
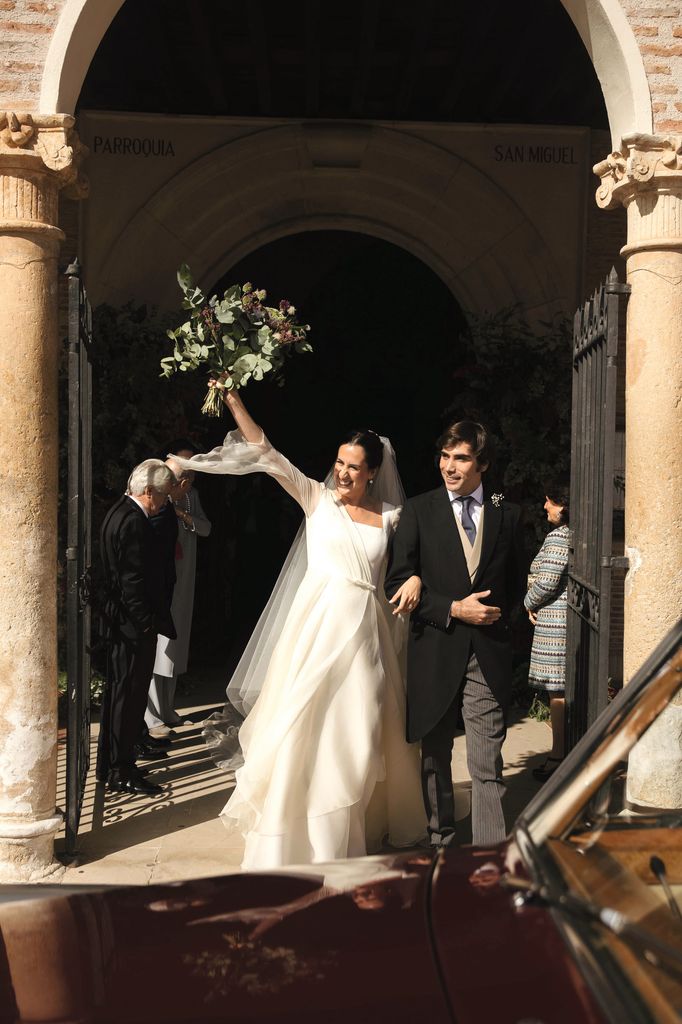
point(363, 584)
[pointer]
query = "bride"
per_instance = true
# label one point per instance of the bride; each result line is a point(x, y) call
point(327, 771)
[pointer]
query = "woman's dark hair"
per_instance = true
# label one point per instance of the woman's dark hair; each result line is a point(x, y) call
point(558, 492)
point(371, 442)
point(473, 434)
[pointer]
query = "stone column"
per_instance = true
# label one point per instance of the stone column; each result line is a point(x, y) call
point(646, 177)
point(38, 156)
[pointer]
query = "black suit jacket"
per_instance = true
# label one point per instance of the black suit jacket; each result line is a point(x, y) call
point(165, 525)
point(137, 600)
point(427, 544)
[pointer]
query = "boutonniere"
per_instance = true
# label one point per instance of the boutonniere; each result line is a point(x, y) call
point(497, 499)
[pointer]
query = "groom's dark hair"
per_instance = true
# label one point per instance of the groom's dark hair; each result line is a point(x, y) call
point(471, 433)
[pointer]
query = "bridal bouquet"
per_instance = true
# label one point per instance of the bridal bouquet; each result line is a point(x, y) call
point(237, 338)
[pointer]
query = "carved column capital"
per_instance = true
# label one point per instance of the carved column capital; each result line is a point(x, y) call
point(39, 155)
point(647, 168)
point(47, 143)
point(643, 163)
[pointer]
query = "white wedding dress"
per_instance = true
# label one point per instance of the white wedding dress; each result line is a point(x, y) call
point(327, 772)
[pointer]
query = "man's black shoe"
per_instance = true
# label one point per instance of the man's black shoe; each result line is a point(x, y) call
point(116, 784)
point(138, 784)
point(145, 753)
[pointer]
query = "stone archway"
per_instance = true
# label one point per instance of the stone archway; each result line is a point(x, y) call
point(81, 27)
point(613, 50)
point(602, 25)
point(369, 178)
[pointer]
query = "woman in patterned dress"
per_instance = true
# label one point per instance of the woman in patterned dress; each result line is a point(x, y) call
point(545, 603)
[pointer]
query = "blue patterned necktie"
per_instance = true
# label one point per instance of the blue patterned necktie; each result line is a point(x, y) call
point(467, 522)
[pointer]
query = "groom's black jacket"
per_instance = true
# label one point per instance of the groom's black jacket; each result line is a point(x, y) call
point(427, 544)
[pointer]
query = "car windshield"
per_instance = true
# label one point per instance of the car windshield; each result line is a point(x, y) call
point(611, 863)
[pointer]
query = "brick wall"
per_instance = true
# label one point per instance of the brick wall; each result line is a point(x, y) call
point(658, 30)
point(26, 28)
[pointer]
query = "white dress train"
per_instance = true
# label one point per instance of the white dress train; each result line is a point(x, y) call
point(327, 771)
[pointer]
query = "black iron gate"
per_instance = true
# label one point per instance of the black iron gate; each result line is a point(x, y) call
point(593, 441)
point(78, 552)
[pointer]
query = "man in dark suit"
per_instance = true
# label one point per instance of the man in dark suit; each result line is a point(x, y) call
point(137, 610)
point(468, 550)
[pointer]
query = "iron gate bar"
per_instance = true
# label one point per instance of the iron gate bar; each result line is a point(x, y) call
point(78, 552)
point(595, 354)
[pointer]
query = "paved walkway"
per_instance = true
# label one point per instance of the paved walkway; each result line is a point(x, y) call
point(134, 840)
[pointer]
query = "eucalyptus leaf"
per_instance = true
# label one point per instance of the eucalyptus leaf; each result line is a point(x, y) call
point(185, 277)
point(224, 316)
point(246, 362)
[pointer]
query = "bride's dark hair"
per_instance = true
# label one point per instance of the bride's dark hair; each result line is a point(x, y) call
point(371, 442)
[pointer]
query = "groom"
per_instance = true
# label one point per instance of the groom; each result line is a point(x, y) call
point(468, 550)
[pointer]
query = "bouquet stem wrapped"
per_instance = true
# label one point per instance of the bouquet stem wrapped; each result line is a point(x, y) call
point(237, 338)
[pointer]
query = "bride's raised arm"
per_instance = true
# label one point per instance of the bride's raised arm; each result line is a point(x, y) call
point(246, 424)
point(247, 450)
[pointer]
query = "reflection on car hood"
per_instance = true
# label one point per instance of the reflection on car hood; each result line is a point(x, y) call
point(340, 942)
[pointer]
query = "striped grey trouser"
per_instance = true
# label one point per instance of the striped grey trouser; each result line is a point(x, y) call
point(484, 724)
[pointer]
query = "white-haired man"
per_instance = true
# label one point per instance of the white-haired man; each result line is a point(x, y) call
point(137, 610)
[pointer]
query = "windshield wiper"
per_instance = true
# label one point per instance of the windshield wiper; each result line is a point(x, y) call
point(655, 950)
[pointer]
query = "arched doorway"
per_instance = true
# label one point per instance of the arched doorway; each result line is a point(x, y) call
point(382, 322)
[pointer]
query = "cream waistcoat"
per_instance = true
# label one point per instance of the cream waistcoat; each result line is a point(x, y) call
point(472, 553)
